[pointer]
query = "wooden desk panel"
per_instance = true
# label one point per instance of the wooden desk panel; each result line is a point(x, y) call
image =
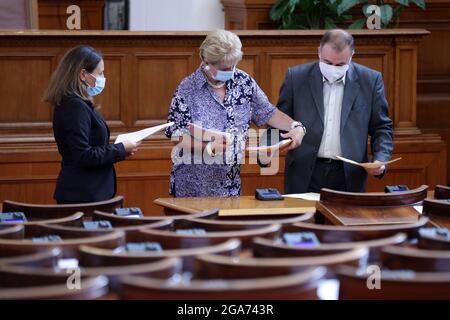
point(236, 206)
point(439, 221)
point(357, 216)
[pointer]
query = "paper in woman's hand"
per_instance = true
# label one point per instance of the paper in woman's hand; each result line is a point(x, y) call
point(367, 165)
point(272, 147)
point(140, 135)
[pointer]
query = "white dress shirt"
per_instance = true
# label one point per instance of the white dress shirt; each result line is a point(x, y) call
point(333, 93)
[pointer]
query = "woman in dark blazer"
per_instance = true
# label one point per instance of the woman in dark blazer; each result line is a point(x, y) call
point(87, 168)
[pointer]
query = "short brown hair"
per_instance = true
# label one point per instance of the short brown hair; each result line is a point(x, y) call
point(65, 81)
point(338, 39)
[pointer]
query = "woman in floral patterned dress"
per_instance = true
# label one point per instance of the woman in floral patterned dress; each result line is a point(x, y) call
point(220, 97)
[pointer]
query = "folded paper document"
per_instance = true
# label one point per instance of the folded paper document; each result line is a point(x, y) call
point(311, 196)
point(141, 134)
point(367, 165)
point(272, 147)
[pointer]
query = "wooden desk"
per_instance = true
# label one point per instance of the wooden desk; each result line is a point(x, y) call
point(357, 216)
point(340, 214)
point(236, 206)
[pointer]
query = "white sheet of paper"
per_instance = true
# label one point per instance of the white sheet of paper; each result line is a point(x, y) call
point(312, 196)
point(196, 129)
point(137, 136)
point(419, 209)
point(69, 263)
point(328, 289)
point(272, 147)
point(368, 165)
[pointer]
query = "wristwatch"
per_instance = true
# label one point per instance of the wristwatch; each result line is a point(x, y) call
point(296, 124)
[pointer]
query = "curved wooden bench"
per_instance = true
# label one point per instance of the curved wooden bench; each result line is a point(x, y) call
point(9, 248)
point(51, 211)
point(398, 257)
point(126, 221)
point(272, 249)
point(30, 226)
point(441, 192)
point(12, 231)
point(436, 207)
point(172, 240)
point(65, 231)
point(228, 224)
point(433, 242)
point(376, 199)
point(100, 257)
point(46, 258)
point(394, 285)
point(331, 233)
point(91, 288)
point(301, 285)
point(216, 266)
point(438, 211)
point(13, 276)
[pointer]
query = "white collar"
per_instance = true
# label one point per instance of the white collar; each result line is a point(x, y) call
point(341, 79)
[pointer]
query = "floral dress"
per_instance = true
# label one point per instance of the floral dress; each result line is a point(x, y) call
point(195, 174)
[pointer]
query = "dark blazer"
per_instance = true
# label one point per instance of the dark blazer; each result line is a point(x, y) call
point(87, 167)
point(364, 113)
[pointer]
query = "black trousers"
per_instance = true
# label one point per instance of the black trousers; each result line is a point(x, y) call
point(328, 175)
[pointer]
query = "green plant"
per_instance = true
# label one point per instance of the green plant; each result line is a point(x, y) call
point(328, 14)
point(307, 14)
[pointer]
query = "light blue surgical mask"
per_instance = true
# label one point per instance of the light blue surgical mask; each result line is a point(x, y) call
point(99, 86)
point(224, 76)
point(221, 76)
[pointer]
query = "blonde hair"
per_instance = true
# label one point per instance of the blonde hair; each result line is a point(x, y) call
point(221, 46)
point(66, 81)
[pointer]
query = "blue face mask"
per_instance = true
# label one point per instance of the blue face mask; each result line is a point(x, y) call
point(224, 76)
point(99, 86)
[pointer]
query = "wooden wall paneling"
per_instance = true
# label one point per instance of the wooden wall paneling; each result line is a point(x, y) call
point(278, 63)
point(248, 14)
point(158, 75)
point(433, 68)
point(25, 71)
point(114, 99)
point(433, 81)
point(143, 70)
point(405, 89)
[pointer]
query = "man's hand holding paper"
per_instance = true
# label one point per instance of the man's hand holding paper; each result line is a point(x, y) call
point(373, 168)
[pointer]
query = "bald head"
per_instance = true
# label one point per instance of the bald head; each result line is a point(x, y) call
point(338, 40)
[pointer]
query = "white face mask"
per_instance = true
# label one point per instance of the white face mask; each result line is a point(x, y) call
point(333, 73)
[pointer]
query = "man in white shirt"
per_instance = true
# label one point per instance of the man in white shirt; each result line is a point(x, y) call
point(340, 103)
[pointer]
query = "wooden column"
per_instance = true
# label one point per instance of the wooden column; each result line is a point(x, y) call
point(405, 88)
point(248, 14)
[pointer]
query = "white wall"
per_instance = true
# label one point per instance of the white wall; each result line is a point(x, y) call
point(176, 15)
